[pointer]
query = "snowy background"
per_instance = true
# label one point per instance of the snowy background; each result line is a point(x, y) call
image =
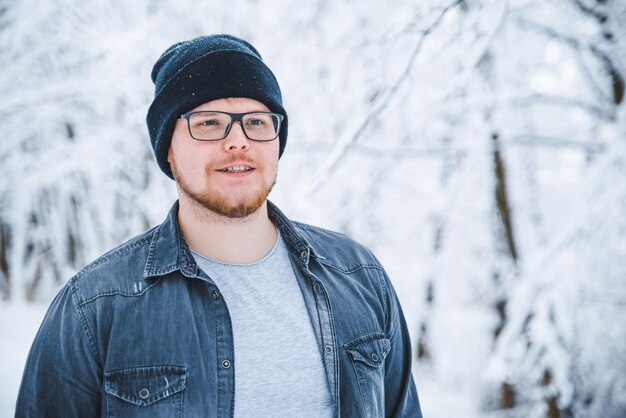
point(478, 147)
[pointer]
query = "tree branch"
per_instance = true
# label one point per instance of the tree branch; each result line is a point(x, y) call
point(340, 151)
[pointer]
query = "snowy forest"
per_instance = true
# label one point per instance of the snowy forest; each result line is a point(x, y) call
point(477, 147)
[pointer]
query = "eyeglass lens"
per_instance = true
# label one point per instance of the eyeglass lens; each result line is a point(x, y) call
point(214, 125)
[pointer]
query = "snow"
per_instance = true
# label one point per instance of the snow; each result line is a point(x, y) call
point(19, 322)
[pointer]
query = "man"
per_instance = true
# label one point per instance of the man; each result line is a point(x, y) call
point(228, 308)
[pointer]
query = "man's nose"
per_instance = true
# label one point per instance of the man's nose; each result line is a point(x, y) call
point(236, 138)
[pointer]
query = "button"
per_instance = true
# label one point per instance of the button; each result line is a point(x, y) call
point(328, 349)
point(215, 295)
point(225, 364)
point(303, 255)
point(375, 357)
point(144, 393)
point(317, 287)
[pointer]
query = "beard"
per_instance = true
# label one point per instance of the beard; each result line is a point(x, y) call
point(215, 202)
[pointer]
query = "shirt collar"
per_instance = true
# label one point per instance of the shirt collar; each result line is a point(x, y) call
point(297, 244)
point(169, 251)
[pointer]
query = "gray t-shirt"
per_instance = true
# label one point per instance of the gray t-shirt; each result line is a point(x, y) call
point(278, 362)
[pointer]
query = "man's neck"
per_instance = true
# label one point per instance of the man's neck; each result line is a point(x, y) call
point(234, 241)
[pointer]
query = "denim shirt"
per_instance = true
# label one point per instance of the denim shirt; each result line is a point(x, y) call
point(144, 332)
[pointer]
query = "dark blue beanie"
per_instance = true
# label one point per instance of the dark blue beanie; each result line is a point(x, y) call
point(194, 72)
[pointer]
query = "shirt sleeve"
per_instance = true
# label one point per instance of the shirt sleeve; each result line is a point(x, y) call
point(62, 374)
point(401, 398)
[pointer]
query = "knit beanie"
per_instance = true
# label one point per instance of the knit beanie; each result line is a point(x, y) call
point(194, 72)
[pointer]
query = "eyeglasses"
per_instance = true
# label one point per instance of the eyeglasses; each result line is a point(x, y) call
point(214, 126)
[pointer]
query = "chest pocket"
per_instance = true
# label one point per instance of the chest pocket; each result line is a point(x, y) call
point(367, 354)
point(155, 391)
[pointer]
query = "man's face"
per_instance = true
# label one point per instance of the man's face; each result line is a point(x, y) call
point(199, 167)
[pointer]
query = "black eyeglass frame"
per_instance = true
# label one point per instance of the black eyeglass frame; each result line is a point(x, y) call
point(234, 117)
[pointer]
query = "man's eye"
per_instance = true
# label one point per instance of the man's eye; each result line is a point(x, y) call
point(210, 122)
point(256, 122)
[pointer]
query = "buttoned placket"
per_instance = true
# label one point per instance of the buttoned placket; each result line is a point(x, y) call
point(327, 339)
point(225, 350)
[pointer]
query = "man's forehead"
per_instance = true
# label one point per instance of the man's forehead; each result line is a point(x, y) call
point(241, 104)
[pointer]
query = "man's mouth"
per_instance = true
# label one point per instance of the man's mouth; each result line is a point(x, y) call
point(236, 169)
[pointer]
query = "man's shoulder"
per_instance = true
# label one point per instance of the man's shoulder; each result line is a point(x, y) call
point(118, 271)
point(337, 249)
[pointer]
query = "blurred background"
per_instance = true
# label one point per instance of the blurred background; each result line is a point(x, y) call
point(478, 147)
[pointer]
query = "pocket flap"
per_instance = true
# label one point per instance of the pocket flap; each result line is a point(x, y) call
point(370, 349)
point(145, 385)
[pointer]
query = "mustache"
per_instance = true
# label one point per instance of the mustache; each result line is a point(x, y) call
point(241, 158)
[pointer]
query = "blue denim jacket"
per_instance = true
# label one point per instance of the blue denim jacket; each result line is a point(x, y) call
point(143, 332)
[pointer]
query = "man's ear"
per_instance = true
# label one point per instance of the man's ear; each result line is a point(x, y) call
point(170, 159)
